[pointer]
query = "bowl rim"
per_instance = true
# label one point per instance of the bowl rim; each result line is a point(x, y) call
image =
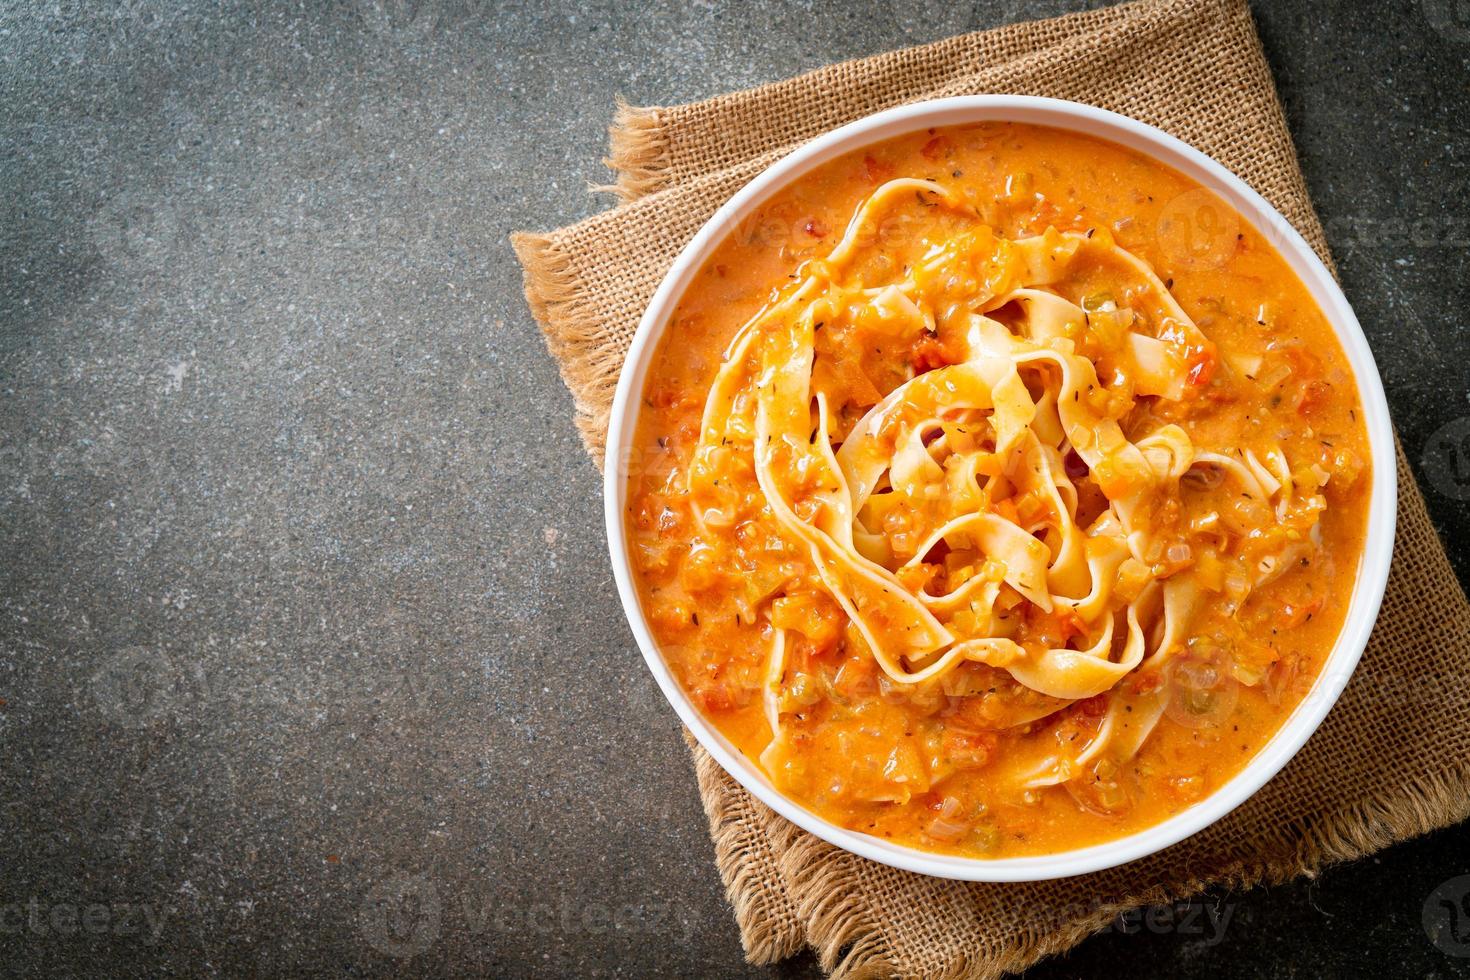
point(1160, 146)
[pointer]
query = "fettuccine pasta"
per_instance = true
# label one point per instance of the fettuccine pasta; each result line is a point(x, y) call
point(977, 532)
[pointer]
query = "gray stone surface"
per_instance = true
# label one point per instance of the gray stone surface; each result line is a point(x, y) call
point(309, 656)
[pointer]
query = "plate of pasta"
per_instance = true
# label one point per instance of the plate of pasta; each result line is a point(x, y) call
point(1000, 489)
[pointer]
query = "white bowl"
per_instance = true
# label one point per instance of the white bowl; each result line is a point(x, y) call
point(1367, 593)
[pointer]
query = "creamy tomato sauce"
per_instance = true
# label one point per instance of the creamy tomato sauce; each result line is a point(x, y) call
point(1236, 590)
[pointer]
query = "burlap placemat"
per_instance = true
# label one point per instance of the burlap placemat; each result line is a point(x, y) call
point(1392, 759)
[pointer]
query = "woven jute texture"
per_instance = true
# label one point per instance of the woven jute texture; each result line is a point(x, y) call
point(1392, 759)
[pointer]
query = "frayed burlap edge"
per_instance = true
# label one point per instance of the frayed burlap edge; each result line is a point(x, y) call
point(587, 354)
point(770, 924)
point(638, 150)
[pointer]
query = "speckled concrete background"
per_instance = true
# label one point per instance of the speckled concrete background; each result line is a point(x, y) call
point(309, 656)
